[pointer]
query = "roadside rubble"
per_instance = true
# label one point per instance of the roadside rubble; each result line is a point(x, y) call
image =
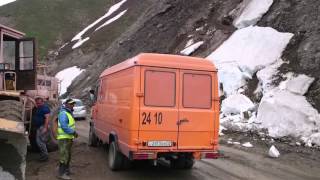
point(273, 152)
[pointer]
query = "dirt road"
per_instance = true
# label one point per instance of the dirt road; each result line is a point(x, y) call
point(239, 164)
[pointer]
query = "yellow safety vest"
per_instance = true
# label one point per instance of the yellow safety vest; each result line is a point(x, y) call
point(72, 125)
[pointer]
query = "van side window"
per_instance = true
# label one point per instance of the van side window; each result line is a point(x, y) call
point(197, 91)
point(160, 88)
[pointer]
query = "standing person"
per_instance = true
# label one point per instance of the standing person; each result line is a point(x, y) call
point(41, 123)
point(92, 97)
point(66, 134)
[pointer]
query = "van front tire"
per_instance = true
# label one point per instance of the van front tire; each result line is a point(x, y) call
point(115, 158)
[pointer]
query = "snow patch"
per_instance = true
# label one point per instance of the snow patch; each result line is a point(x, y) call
point(221, 128)
point(252, 13)
point(189, 43)
point(247, 145)
point(266, 76)
point(252, 48)
point(236, 104)
point(112, 9)
point(231, 78)
point(273, 152)
point(238, 123)
point(5, 175)
point(189, 50)
point(111, 20)
point(80, 42)
point(66, 77)
point(298, 84)
point(4, 2)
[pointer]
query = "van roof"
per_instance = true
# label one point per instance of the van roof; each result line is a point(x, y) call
point(163, 60)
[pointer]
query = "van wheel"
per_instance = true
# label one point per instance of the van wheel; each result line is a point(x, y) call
point(182, 163)
point(115, 157)
point(93, 140)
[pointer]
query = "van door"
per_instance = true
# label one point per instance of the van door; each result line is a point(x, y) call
point(158, 108)
point(196, 116)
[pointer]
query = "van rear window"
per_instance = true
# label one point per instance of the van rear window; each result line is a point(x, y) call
point(197, 92)
point(160, 88)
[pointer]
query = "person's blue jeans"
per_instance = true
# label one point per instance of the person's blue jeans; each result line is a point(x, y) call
point(42, 139)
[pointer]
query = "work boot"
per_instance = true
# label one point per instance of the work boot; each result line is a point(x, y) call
point(62, 172)
point(43, 158)
point(68, 171)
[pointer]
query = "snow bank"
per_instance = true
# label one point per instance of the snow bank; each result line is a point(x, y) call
point(238, 123)
point(266, 76)
point(236, 104)
point(298, 84)
point(286, 114)
point(4, 2)
point(231, 78)
point(66, 77)
point(189, 50)
point(252, 13)
point(315, 139)
point(252, 48)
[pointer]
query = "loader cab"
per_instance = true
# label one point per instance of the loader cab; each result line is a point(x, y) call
point(17, 61)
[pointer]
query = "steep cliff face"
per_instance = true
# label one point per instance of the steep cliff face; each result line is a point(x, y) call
point(303, 53)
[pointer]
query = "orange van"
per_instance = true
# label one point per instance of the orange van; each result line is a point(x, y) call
point(157, 106)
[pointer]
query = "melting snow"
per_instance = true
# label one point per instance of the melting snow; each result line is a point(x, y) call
point(4, 2)
point(298, 84)
point(189, 50)
point(66, 77)
point(80, 42)
point(236, 104)
point(112, 9)
point(253, 48)
point(266, 75)
point(231, 77)
point(111, 20)
point(252, 13)
point(286, 114)
point(247, 144)
point(273, 152)
point(189, 43)
point(5, 175)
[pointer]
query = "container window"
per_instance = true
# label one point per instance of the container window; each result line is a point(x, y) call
point(197, 91)
point(26, 55)
point(160, 88)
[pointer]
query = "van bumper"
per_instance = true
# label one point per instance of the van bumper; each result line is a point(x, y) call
point(152, 155)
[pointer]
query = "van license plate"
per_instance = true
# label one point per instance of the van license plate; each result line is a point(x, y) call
point(159, 143)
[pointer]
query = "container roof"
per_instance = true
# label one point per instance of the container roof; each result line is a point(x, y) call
point(163, 60)
point(11, 32)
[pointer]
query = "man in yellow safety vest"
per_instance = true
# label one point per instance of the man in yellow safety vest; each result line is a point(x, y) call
point(66, 134)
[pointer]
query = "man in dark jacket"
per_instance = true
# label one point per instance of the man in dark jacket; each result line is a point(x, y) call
point(66, 134)
point(40, 122)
